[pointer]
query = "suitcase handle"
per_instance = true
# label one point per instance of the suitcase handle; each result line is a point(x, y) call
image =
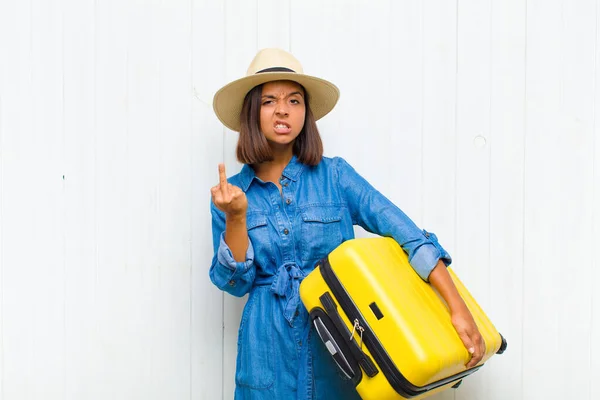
point(363, 360)
point(333, 347)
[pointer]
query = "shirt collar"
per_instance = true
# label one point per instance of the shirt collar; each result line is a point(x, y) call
point(292, 171)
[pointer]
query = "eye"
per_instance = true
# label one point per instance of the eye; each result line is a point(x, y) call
point(267, 102)
point(295, 101)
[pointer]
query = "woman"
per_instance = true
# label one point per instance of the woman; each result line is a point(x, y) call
point(287, 209)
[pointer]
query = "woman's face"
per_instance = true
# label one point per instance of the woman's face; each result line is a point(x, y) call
point(282, 112)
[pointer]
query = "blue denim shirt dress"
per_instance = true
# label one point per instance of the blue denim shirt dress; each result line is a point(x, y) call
point(279, 355)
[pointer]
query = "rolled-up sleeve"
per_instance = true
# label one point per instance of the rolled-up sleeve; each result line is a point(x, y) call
point(377, 214)
point(426, 256)
point(225, 272)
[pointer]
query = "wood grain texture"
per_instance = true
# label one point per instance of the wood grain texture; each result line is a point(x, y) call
point(208, 65)
point(558, 194)
point(507, 153)
point(477, 118)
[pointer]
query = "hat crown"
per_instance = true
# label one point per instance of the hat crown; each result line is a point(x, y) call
point(274, 58)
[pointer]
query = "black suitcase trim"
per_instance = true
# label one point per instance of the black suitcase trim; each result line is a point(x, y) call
point(341, 341)
point(398, 382)
point(355, 352)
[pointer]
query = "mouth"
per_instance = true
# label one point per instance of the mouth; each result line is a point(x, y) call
point(282, 128)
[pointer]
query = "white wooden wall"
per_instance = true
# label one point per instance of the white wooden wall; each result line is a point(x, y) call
point(477, 117)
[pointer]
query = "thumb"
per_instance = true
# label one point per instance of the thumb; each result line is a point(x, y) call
point(467, 342)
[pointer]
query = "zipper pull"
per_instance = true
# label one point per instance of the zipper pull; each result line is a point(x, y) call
point(356, 325)
point(358, 328)
point(361, 330)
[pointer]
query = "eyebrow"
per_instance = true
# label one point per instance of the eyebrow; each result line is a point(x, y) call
point(270, 96)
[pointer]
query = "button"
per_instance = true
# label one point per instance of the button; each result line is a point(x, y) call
point(285, 231)
point(288, 201)
point(296, 313)
point(231, 283)
point(285, 184)
point(300, 343)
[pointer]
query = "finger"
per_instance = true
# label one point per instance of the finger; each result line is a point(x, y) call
point(217, 199)
point(233, 189)
point(468, 343)
point(223, 180)
point(479, 350)
point(214, 190)
point(222, 175)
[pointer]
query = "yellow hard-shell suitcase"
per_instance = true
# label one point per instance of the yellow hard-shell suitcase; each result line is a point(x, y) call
point(388, 330)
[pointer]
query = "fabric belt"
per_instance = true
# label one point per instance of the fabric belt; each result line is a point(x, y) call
point(285, 284)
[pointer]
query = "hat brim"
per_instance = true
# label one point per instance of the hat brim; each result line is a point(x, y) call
point(228, 101)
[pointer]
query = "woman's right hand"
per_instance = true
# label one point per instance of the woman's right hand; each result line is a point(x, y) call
point(229, 198)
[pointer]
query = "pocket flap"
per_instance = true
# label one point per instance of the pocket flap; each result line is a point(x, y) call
point(255, 220)
point(324, 214)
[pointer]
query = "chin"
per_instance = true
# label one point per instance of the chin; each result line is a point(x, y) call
point(281, 141)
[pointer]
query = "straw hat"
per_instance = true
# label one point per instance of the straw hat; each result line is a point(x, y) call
point(273, 65)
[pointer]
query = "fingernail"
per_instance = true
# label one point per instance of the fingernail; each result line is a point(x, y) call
point(472, 350)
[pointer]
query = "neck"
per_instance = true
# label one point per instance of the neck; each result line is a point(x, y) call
point(271, 170)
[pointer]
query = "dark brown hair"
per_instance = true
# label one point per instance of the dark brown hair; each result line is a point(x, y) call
point(252, 146)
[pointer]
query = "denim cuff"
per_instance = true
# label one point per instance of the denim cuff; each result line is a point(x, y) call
point(228, 269)
point(427, 256)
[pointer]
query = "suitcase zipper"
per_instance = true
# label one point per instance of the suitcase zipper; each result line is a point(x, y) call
point(361, 358)
point(400, 384)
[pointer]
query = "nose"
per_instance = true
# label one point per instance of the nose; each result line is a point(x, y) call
point(281, 109)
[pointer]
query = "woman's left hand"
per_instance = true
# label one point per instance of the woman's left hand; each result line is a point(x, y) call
point(462, 319)
point(469, 334)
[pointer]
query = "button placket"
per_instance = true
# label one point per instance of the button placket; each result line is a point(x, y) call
point(283, 223)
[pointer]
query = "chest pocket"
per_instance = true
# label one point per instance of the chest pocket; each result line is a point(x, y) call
point(258, 233)
point(321, 231)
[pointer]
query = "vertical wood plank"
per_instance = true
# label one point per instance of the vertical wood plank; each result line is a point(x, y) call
point(439, 131)
point(438, 196)
point(140, 272)
point(507, 130)
point(47, 265)
point(1, 250)
point(241, 44)
point(541, 138)
point(595, 264)
point(17, 303)
point(83, 367)
point(8, 15)
point(473, 142)
point(273, 24)
point(577, 171)
point(171, 335)
point(561, 39)
point(405, 138)
point(208, 21)
point(111, 241)
point(32, 203)
point(6, 12)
